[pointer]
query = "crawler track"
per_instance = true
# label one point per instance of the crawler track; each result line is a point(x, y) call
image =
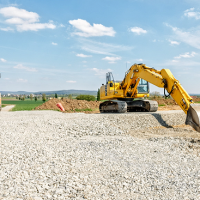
point(116, 106)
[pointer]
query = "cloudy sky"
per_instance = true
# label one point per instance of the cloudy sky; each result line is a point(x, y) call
point(56, 45)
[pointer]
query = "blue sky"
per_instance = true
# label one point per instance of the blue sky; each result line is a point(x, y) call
point(58, 45)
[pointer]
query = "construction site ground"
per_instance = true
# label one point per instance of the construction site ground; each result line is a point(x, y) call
point(47, 154)
point(55, 155)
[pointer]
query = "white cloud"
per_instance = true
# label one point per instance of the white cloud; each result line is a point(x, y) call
point(102, 48)
point(191, 13)
point(71, 81)
point(83, 55)
point(20, 66)
point(186, 55)
point(18, 16)
point(3, 60)
point(96, 51)
point(140, 60)
point(35, 27)
point(181, 65)
point(7, 29)
point(174, 42)
point(61, 25)
point(20, 80)
point(191, 37)
point(84, 61)
point(53, 43)
point(137, 30)
point(101, 72)
point(7, 79)
point(84, 29)
point(23, 20)
point(111, 59)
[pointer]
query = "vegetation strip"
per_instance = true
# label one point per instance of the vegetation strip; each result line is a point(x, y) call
point(23, 105)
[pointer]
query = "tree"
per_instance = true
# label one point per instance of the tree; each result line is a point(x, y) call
point(56, 96)
point(86, 97)
point(98, 95)
point(35, 98)
point(23, 97)
point(156, 95)
point(44, 97)
point(70, 96)
point(31, 97)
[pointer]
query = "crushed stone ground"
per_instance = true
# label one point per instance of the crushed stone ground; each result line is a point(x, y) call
point(54, 155)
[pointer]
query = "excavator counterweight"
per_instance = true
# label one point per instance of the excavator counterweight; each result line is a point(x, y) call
point(121, 94)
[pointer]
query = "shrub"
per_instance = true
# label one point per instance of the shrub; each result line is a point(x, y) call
point(86, 97)
point(98, 95)
point(44, 97)
point(80, 110)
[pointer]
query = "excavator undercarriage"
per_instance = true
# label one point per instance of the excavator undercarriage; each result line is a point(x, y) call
point(116, 106)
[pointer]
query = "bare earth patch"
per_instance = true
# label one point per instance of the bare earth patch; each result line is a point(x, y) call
point(71, 105)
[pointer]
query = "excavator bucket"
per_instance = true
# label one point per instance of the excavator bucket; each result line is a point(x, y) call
point(193, 116)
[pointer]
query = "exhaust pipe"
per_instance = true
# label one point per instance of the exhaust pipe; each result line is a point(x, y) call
point(193, 116)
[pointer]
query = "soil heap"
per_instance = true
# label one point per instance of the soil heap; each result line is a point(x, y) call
point(166, 102)
point(170, 104)
point(70, 105)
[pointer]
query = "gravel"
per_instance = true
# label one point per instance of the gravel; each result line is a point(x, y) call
point(54, 155)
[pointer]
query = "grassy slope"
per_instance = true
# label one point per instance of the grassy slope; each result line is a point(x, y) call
point(22, 105)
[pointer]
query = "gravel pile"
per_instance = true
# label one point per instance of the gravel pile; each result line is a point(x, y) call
point(53, 155)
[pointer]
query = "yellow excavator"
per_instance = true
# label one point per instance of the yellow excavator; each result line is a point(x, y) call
point(121, 94)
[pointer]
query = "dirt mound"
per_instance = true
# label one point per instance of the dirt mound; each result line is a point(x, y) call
point(165, 102)
point(196, 99)
point(170, 104)
point(70, 105)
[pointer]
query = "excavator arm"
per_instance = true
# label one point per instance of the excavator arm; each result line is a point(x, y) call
point(165, 79)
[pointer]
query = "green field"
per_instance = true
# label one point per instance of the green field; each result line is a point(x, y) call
point(8, 98)
point(22, 105)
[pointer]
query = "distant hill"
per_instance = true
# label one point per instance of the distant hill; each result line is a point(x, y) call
point(59, 92)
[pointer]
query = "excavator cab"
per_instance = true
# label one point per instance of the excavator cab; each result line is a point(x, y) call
point(143, 87)
point(109, 77)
